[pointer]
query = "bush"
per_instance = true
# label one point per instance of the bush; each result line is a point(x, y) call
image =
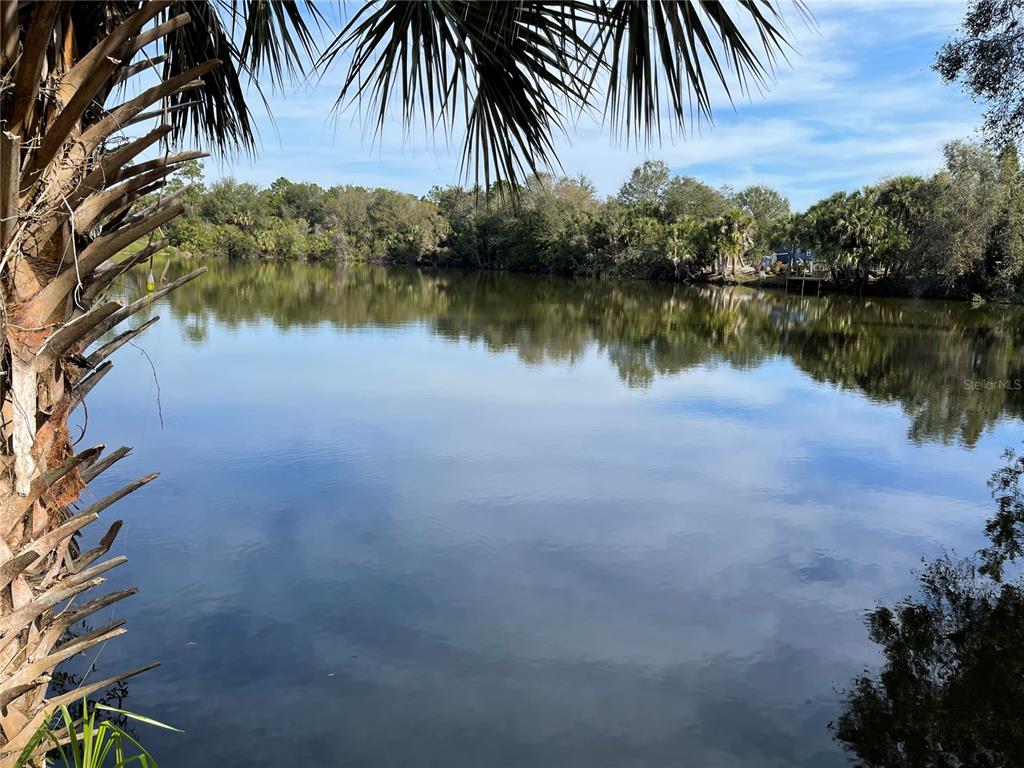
point(232, 242)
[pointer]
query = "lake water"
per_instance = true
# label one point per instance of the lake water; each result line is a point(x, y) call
point(461, 519)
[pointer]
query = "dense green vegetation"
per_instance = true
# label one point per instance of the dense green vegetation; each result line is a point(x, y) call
point(957, 233)
point(304, 221)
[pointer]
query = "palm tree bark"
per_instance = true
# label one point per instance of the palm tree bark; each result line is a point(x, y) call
point(67, 191)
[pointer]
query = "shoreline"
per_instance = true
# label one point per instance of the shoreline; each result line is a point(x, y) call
point(769, 282)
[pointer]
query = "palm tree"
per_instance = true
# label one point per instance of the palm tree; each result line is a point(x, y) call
point(74, 193)
point(906, 200)
point(730, 236)
point(861, 229)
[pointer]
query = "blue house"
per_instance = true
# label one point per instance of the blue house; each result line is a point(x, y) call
point(787, 253)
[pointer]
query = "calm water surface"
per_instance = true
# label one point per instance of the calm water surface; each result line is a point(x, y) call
point(455, 519)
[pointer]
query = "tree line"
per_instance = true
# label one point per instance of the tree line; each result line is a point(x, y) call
point(958, 232)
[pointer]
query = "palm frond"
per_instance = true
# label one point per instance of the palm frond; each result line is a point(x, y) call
point(664, 50)
point(518, 71)
point(255, 40)
point(509, 69)
point(277, 37)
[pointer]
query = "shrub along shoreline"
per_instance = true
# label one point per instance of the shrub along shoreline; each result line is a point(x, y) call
point(956, 234)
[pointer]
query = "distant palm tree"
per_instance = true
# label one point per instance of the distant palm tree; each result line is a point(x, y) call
point(73, 195)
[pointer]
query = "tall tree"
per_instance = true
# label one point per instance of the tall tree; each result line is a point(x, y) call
point(73, 185)
point(769, 209)
point(987, 58)
point(730, 238)
point(687, 196)
point(762, 203)
point(645, 188)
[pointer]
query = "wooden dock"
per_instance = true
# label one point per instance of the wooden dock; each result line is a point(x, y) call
point(817, 280)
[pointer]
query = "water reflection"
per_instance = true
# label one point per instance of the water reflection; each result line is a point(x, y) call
point(954, 371)
point(481, 520)
point(951, 691)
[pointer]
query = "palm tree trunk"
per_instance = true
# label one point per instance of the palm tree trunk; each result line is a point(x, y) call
point(66, 196)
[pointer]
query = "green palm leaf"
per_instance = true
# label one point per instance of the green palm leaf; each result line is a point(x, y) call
point(257, 40)
point(665, 50)
point(508, 69)
point(518, 72)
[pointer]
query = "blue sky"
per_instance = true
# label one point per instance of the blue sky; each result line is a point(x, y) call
point(858, 102)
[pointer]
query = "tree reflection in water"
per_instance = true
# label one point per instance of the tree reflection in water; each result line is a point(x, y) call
point(951, 690)
point(1005, 529)
point(951, 369)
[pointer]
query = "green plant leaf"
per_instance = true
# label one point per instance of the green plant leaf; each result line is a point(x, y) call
point(138, 717)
